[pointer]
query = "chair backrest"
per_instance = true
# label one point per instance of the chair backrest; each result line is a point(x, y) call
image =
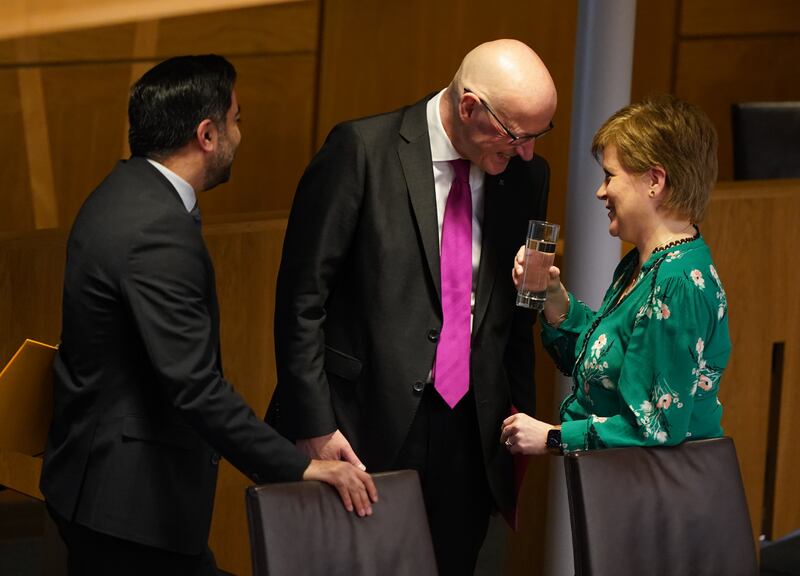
point(781, 557)
point(668, 511)
point(302, 529)
point(26, 408)
point(765, 140)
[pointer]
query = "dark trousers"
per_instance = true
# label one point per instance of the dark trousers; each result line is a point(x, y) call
point(92, 553)
point(444, 446)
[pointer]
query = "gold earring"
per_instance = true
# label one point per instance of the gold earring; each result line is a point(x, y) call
point(652, 193)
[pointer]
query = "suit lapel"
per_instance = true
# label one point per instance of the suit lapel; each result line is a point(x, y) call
point(415, 158)
point(493, 194)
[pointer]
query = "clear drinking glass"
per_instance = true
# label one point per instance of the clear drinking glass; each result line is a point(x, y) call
point(540, 252)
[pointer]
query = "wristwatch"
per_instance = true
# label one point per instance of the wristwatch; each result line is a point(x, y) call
point(553, 442)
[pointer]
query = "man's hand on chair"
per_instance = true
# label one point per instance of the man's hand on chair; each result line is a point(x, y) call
point(355, 487)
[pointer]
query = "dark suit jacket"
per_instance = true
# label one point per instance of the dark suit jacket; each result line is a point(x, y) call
point(141, 407)
point(358, 309)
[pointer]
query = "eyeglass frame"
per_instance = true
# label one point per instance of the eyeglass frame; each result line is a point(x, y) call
point(515, 140)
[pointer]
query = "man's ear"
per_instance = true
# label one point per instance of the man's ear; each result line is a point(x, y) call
point(206, 135)
point(467, 106)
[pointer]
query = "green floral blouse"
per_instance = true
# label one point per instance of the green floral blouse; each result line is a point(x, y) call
point(646, 369)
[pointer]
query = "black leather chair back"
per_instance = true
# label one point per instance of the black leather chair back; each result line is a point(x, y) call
point(766, 140)
point(666, 511)
point(302, 529)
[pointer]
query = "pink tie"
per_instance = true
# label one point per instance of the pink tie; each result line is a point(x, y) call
point(451, 378)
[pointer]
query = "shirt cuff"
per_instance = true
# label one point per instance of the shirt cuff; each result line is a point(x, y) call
point(574, 435)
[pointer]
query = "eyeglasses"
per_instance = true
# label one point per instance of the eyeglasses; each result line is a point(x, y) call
point(515, 140)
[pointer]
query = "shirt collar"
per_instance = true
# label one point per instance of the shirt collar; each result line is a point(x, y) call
point(442, 149)
point(184, 189)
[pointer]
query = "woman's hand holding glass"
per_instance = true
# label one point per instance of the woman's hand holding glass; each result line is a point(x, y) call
point(557, 304)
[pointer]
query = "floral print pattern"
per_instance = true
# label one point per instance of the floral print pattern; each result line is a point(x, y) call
point(651, 414)
point(706, 377)
point(674, 255)
point(655, 306)
point(697, 278)
point(721, 298)
point(595, 366)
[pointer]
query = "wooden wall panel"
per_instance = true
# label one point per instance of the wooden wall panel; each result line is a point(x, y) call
point(273, 29)
point(71, 113)
point(716, 73)
point(654, 48)
point(86, 108)
point(31, 277)
point(751, 229)
point(32, 17)
point(17, 209)
point(277, 29)
point(96, 44)
point(739, 17)
point(37, 144)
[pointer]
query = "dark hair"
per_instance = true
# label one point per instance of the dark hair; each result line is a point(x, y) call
point(169, 101)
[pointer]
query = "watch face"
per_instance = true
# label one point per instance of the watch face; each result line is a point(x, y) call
point(554, 438)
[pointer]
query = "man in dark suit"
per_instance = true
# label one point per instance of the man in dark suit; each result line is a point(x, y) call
point(141, 408)
point(362, 313)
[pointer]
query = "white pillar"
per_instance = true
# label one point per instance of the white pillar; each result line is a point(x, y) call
point(602, 85)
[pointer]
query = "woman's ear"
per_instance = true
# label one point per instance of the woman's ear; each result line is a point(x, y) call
point(657, 177)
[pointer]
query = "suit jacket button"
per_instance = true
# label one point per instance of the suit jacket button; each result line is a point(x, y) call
point(214, 459)
point(433, 335)
point(418, 386)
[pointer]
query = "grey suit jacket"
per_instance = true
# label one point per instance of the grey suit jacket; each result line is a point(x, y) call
point(358, 310)
point(141, 408)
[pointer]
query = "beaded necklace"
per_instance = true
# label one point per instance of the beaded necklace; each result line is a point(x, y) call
point(632, 284)
point(677, 242)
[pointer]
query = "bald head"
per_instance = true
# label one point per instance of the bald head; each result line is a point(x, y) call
point(510, 75)
point(500, 99)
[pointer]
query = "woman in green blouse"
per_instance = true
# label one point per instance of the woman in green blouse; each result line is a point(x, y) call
point(646, 366)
